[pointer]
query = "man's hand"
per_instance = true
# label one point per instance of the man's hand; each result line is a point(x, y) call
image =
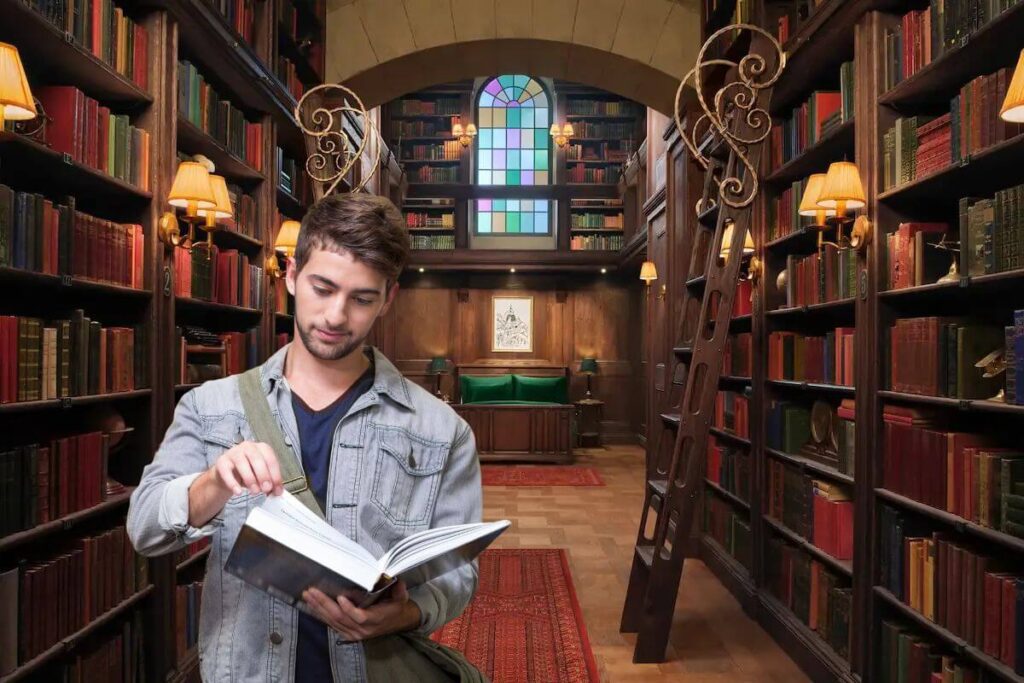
point(248, 465)
point(393, 614)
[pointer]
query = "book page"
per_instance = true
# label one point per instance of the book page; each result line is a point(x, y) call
point(287, 509)
point(462, 542)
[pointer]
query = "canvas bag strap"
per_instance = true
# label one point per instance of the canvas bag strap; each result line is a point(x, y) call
point(266, 429)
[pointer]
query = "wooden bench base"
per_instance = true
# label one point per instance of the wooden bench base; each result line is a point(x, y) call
point(521, 433)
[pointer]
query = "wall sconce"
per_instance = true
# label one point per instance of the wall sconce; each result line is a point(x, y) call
point(843, 191)
point(648, 273)
point(561, 134)
point(751, 266)
point(464, 135)
point(1013, 106)
point(287, 239)
point(16, 101)
point(191, 191)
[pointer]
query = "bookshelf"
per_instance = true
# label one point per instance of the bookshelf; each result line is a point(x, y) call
point(132, 295)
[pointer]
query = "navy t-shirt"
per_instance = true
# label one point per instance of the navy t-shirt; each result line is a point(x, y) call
point(316, 433)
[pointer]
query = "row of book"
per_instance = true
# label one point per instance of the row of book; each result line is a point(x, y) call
point(51, 597)
point(992, 232)
point(599, 151)
point(925, 35)
point(788, 429)
point(730, 528)
point(729, 467)
point(59, 358)
point(292, 178)
point(737, 357)
point(935, 356)
point(732, 413)
point(965, 474)
point(596, 242)
point(789, 16)
point(415, 219)
point(977, 597)
point(814, 594)
point(907, 655)
point(222, 275)
point(441, 105)
point(207, 110)
point(597, 221)
point(245, 219)
point(915, 254)
point(784, 212)
point(231, 354)
point(826, 359)
point(437, 174)
point(92, 135)
point(582, 107)
point(241, 16)
point(743, 301)
point(816, 280)
point(187, 600)
point(617, 131)
point(39, 235)
point(281, 296)
point(432, 242)
point(822, 113)
point(286, 72)
point(819, 511)
point(102, 28)
point(42, 482)
point(449, 150)
point(420, 129)
point(578, 173)
point(192, 549)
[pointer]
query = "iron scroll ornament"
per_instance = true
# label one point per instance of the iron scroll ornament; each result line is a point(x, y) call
point(736, 98)
point(332, 151)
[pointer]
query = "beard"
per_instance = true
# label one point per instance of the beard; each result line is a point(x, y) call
point(327, 350)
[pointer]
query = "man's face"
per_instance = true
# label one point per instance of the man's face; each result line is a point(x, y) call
point(337, 300)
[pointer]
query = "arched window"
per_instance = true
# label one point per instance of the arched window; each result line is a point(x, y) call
point(513, 144)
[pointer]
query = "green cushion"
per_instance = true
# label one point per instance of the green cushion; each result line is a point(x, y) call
point(546, 389)
point(514, 403)
point(479, 388)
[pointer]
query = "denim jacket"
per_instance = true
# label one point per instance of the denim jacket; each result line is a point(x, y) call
point(401, 461)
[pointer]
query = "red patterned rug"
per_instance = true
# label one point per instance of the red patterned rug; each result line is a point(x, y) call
point(524, 625)
point(540, 475)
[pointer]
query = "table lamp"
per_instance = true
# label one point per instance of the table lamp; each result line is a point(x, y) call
point(588, 366)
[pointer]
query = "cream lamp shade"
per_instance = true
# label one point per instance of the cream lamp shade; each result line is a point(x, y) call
point(842, 189)
point(192, 187)
point(222, 200)
point(457, 130)
point(471, 129)
point(1013, 106)
point(16, 103)
point(748, 242)
point(812, 193)
point(555, 129)
point(567, 130)
point(287, 237)
point(648, 272)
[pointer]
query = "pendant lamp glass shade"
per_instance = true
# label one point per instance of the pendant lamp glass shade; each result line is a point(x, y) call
point(16, 102)
point(1013, 106)
point(842, 187)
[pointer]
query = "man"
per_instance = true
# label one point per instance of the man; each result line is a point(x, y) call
point(383, 457)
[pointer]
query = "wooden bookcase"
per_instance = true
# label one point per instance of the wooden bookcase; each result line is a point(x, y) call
point(242, 70)
point(831, 33)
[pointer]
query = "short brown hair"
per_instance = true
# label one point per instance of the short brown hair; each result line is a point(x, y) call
point(368, 227)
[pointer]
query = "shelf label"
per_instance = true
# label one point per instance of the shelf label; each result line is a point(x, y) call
point(167, 281)
point(66, 158)
point(65, 280)
point(65, 402)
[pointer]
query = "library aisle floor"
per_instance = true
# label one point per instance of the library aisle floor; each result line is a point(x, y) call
point(713, 641)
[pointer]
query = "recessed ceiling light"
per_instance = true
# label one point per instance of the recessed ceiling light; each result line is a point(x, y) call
point(511, 270)
point(422, 270)
point(604, 270)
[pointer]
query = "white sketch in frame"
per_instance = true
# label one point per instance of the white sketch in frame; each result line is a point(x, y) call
point(512, 324)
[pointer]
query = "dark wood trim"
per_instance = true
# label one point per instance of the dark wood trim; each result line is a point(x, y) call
point(64, 524)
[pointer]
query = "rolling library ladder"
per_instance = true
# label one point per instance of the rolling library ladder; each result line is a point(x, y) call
point(731, 131)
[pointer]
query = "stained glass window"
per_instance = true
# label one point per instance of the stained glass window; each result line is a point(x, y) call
point(513, 148)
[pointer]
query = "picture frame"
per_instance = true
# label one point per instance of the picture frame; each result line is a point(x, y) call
point(512, 324)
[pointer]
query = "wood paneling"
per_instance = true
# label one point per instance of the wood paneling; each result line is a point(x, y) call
point(573, 316)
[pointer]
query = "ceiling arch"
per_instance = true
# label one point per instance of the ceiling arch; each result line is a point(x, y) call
point(638, 49)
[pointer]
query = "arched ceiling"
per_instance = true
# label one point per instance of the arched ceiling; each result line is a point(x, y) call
point(638, 49)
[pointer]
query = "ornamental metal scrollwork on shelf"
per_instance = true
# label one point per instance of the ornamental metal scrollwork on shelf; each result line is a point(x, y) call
point(738, 97)
point(331, 150)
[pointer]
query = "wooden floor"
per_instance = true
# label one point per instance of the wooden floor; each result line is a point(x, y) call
point(712, 641)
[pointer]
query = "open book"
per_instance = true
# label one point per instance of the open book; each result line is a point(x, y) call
point(284, 548)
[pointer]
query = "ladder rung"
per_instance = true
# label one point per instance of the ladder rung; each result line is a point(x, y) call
point(659, 486)
point(697, 282)
point(670, 419)
point(709, 219)
point(646, 554)
point(683, 350)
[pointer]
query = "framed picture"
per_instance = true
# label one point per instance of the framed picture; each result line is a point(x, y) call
point(512, 323)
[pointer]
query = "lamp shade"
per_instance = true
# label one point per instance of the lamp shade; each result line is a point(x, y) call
point(567, 130)
point(192, 184)
point(16, 103)
point(438, 365)
point(471, 129)
point(648, 271)
point(555, 129)
point(1013, 106)
point(222, 200)
point(457, 130)
point(588, 366)
point(748, 242)
point(812, 193)
point(287, 237)
point(842, 185)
